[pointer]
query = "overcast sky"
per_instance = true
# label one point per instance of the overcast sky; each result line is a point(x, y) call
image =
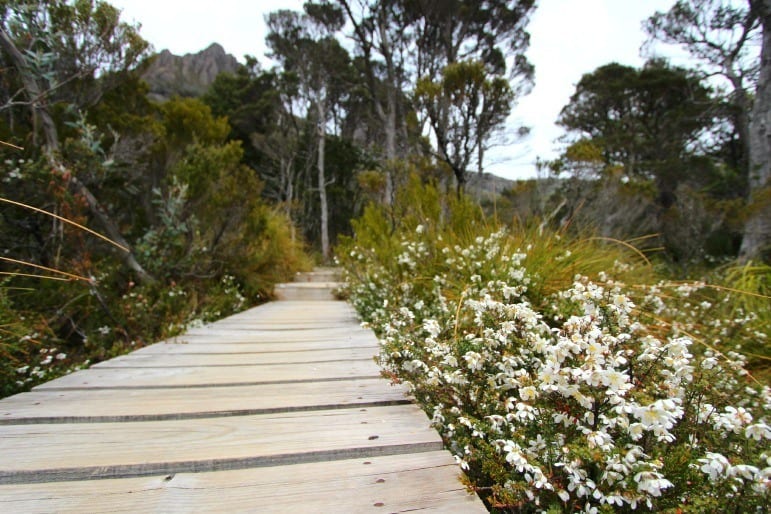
point(568, 38)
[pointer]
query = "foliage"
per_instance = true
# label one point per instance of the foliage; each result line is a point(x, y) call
point(465, 107)
point(667, 109)
point(163, 177)
point(560, 371)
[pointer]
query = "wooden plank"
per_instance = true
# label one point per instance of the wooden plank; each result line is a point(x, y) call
point(188, 347)
point(107, 405)
point(133, 378)
point(326, 312)
point(134, 360)
point(254, 335)
point(425, 482)
point(114, 450)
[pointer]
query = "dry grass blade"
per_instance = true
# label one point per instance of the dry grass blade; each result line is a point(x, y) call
point(65, 220)
point(17, 274)
point(11, 145)
point(45, 268)
point(622, 243)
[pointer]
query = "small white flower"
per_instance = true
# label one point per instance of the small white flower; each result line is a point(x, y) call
point(651, 482)
point(715, 465)
point(528, 393)
point(474, 360)
point(758, 431)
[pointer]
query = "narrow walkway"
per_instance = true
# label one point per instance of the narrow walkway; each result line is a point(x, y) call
point(280, 408)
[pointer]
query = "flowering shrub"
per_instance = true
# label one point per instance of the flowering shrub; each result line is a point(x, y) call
point(591, 396)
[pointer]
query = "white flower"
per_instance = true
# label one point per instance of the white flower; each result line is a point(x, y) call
point(600, 440)
point(528, 393)
point(715, 465)
point(432, 327)
point(474, 360)
point(615, 380)
point(758, 431)
point(651, 482)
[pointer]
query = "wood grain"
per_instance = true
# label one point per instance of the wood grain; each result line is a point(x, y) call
point(70, 406)
point(58, 450)
point(425, 482)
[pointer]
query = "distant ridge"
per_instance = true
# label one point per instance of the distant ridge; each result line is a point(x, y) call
point(189, 75)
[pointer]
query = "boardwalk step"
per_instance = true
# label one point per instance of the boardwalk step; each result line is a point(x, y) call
point(317, 285)
point(306, 291)
point(319, 275)
point(372, 484)
point(115, 450)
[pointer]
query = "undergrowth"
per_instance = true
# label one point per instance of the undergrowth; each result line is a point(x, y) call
point(563, 372)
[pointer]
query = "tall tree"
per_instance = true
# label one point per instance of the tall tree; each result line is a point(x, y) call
point(723, 36)
point(757, 233)
point(381, 39)
point(644, 120)
point(465, 106)
point(414, 41)
point(305, 45)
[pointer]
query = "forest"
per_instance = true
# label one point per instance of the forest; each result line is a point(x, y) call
point(126, 220)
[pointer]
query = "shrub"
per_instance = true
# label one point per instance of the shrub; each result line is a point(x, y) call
point(559, 372)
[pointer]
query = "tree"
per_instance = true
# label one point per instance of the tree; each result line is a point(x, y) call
point(464, 108)
point(757, 231)
point(645, 121)
point(306, 47)
point(407, 42)
point(380, 37)
point(61, 44)
point(723, 36)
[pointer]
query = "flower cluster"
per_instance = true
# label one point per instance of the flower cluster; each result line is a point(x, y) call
point(578, 402)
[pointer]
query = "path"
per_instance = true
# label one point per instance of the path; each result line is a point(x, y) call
point(277, 409)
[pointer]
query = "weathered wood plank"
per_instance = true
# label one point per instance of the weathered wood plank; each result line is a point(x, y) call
point(210, 348)
point(271, 410)
point(425, 482)
point(112, 450)
point(109, 405)
point(133, 378)
point(240, 359)
point(324, 312)
point(255, 335)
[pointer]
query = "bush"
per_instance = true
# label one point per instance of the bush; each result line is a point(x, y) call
point(560, 373)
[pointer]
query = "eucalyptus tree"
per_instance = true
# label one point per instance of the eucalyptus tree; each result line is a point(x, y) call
point(305, 45)
point(732, 39)
point(412, 42)
point(464, 107)
point(757, 232)
point(644, 122)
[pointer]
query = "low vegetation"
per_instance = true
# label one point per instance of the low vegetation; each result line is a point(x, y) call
point(564, 371)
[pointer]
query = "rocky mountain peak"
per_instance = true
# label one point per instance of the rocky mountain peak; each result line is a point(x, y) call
point(189, 75)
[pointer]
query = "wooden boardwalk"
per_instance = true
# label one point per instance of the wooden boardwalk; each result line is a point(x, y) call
point(277, 409)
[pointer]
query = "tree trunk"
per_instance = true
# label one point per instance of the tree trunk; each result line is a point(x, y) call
point(39, 109)
point(757, 230)
point(321, 108)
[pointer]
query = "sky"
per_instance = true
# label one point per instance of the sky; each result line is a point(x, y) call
point(568, 38)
